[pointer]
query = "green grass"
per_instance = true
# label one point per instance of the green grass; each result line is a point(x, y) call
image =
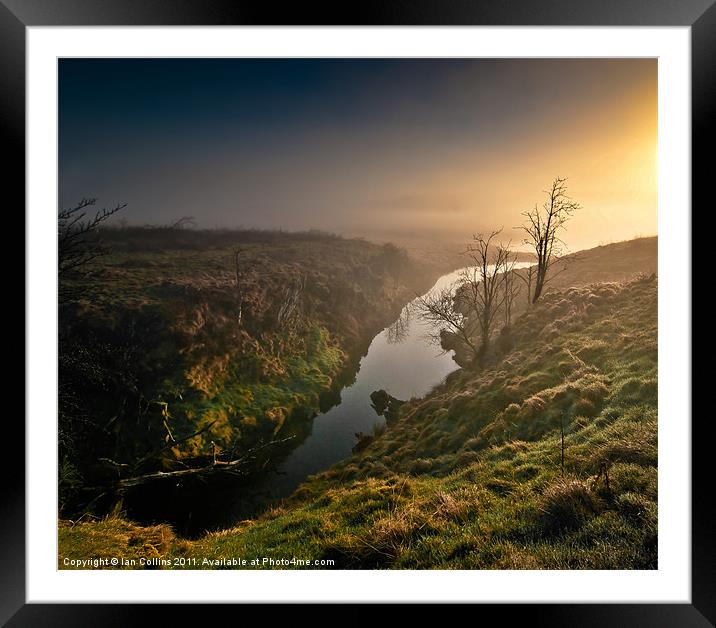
point(470, 476)
point(237, 406)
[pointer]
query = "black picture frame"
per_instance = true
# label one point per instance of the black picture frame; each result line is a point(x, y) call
point(17, 15)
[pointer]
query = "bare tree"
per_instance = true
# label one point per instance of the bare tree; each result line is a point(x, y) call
point(542, 228)
point(438, 309)
point(398, 331)
point(528, 278)
point(480, 291)
point(185, 222)
point(78, 242)
point(470, 308)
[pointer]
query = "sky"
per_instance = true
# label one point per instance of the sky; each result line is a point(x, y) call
point(380, 148)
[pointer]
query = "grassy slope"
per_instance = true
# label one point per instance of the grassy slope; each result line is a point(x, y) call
point(611, 262)
point(470, 476)
point(620, 261)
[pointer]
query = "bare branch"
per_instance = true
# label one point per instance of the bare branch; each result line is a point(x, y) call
point(78, 242)
point(542, 228)
point(469, 309)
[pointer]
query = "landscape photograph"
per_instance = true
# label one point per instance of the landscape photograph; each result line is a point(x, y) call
point(357, 313)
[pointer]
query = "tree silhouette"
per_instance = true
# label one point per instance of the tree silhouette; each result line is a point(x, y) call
point(469, 308)
point(78, 241)
point(542, 228)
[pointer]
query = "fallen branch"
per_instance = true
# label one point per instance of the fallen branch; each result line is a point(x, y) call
point(173, 443)
point(216, 467)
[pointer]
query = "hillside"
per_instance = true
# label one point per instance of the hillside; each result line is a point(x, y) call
point(183, 346)
point(474, 475)
point(619, 261)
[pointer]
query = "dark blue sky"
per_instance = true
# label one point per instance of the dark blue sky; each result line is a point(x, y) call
point(353, 145)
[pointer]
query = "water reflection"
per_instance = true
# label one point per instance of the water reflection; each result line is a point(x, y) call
point(403, 361)
point(399, 330)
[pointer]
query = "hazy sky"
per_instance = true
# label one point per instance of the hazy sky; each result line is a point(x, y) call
point(381, 148)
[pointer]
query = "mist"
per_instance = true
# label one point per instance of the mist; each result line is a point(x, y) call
point(387, 149)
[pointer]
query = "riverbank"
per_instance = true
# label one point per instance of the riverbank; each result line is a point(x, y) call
point(406, 363)
point(188, 347)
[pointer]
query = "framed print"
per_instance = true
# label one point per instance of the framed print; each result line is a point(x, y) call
point(370, 311)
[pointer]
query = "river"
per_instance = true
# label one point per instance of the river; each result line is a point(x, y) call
point(400, 360)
